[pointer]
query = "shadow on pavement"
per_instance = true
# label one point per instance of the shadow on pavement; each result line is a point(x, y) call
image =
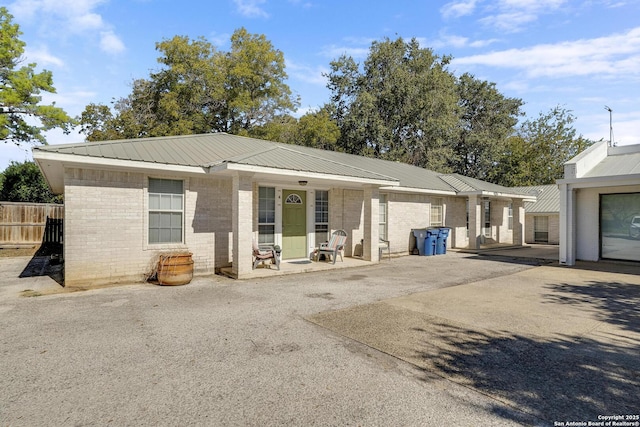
point(615, 303)
point(47, 261)
point(566, 378)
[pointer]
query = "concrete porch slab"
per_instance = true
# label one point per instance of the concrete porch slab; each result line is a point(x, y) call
point(296, 266)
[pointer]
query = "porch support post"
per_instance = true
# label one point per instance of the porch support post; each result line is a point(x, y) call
point(242, 221)
point(371, 224)
point(518, 221)
point(475, 221)
point(567, 254)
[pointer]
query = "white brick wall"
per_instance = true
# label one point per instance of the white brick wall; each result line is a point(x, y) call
point(106, 226)
point(406, 212)
point(346, 212)
point(409, 211)
point(456, 219)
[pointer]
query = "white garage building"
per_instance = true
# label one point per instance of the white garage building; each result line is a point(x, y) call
point(599, 201)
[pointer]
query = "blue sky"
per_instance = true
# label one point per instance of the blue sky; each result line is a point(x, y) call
point(581, 55)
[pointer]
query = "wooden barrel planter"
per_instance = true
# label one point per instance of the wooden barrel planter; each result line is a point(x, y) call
point(175, 269)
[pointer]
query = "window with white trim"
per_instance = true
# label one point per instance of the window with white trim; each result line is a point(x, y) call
point(322, 216)
point(487, 218)
point(467, 212)
point(266, 215)
point(166, 210)
point(510, 216)
point(541, 229)
point(436, 213)
point(382, 228)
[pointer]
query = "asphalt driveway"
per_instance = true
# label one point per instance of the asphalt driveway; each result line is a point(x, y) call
point(448, 340)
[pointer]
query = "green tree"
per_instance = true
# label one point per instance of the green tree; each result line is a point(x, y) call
point(255, 87)
point(200, 90)
point(402, 105)
point(513, 165)
point(537, 153)
point(315, 129)
point(20, 101)
point(23, 182)
point(281, 128)
point(487, 119)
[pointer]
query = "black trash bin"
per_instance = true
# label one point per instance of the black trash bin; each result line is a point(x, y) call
point(441, 244)
point(420, 234)
point(430, 241)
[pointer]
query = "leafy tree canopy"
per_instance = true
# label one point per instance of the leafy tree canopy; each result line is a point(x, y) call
point(199, 90)
point(402, 105)
point(536, 154)
point(487, 119)
point(23, 182)
point(20, 87)
point(315, 129)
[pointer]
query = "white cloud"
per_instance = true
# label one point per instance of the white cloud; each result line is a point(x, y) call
point(306, 73)
point(451, 40)
point(78, 12)
point(251, 8)
point(73, 101)
point(111, 43)
point(625, 126)
point(614, 55)
point(69, 18)
point(86, 22)
point(457, 9)
point(335, 51)
point(42, 57)
point(219, 40)
point(513, 15)
point(509, 22)
point(355, 47)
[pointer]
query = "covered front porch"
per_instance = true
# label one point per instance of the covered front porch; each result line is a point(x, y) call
point(495, 220)
point(296, 212)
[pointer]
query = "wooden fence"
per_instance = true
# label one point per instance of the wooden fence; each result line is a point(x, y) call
point(30, 224)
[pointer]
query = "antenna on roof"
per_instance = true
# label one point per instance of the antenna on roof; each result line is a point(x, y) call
point(611, 143)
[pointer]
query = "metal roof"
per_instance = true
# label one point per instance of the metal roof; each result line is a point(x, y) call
point(616, 165)
point(464, 184)
point(210, 150)
point(548, 198)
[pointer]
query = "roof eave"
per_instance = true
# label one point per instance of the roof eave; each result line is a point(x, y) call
point(419, 190)
point(612, 180)
point(226, 167)
point(80, 160)
point(498, 194)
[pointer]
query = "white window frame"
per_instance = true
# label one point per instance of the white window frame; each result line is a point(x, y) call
point(467, 214)
point(321, 216)
point(264, 219)
point(383, 216)
point(165, 203)
point(540, 226)
point(436, 219)
point(486, 221)
point(510, 216)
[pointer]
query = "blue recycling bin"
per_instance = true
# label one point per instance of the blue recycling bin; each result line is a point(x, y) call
point(420, 234)
point(441, 241)
point(430, 241)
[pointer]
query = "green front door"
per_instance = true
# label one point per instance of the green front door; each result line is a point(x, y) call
point(294, 224)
